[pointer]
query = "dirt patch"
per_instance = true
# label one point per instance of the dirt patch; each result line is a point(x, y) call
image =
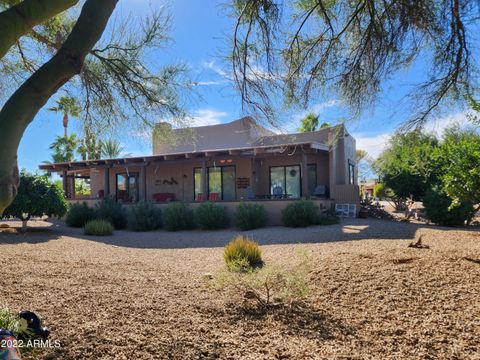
point(142, 296)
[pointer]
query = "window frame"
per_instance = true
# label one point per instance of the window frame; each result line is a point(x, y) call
point(351, 173)
point(270, 190)
point(221, 180)
point(135, 174)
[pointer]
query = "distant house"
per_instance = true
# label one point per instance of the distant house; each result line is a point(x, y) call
point(232, 162)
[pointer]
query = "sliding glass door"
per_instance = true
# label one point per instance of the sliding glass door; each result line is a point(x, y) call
point(220, 180)
point(127, 187)
point(285, 181)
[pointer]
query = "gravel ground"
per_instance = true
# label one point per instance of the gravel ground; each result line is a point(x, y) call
point(141, 295)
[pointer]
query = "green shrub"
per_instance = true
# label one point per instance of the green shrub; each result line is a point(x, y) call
point(178, 216)
point(440, 209)
point(98, 227)
point(327, 219)
point(250, 216)
point(211, 216)
point(242, 254)
point(110, 210)
point(9, 321)
point(144, 216)
point(78, 214)
point(301, 213)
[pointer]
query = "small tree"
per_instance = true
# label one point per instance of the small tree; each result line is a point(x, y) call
point(461, 174)
point(37, 196)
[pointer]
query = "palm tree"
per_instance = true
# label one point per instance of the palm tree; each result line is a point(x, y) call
point(111, 149)
point(64, 148)
point(309, 123)
point(68, 106)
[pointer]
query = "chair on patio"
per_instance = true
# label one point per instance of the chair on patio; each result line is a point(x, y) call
point(250, 194)
point(199, 197)
point(321, 191)
point(213, 197)
point(277, 192)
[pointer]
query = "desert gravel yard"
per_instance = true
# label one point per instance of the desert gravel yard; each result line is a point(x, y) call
point(143, 295)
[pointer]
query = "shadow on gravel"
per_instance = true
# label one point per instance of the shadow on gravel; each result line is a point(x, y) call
point(33, 235)
point(347, 230)
point(298, 320)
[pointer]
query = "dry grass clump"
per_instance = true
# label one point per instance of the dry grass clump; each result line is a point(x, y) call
point(98, 227)
point(242, 254)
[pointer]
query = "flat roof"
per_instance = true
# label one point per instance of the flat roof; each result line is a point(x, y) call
point(242, 151)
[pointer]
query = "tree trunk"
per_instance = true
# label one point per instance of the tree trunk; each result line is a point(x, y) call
point(24, 104)
point(19, 19)
point(24, 225)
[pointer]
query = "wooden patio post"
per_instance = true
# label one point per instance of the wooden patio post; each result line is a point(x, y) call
point(106, 181)
point(204, 179)
point(65, 184)
point(304, 174)
point(143, 182)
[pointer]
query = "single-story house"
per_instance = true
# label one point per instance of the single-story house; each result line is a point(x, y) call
point(228, 163)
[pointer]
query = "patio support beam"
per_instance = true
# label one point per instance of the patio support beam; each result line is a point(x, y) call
point(143, 182)
point(65, 183)
point(204, 179)
point(106, 181)
point(304, 173)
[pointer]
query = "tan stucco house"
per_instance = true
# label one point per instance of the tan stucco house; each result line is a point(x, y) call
point(229, 163)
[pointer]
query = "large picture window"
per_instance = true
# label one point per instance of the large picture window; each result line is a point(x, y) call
point(221, 183)
point(285, 181)
point(127, 187)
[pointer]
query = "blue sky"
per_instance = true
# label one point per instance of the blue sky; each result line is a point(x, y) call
point(198, 30)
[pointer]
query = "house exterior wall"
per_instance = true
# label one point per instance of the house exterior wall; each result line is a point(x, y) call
point(273, 208)
point(177, 176)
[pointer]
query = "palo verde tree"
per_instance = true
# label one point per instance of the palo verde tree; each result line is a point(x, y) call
point(44, 48)
point(303, 49)
point(37, 196)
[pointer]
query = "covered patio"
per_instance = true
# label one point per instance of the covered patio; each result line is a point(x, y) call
point(268, 173)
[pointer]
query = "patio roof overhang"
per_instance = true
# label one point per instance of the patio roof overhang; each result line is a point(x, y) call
point(143, 160)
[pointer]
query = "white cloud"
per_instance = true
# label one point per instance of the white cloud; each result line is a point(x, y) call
point(373, 145)
point(203, 117)
point(438, 126)
point(211, 65)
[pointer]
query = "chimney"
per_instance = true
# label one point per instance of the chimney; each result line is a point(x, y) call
point(161, 132)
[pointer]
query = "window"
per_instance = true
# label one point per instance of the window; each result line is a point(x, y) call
point(285, 181)
point(312, 178)
point(127, 187)
point(351, 173)
point(220, 179)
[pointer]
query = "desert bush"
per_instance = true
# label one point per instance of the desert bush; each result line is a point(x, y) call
point(78, 214)
point(178, 216)
point(112, 211)
point(98, 227)
point(242, 254)
point(144, 216)
point(211, 216)
point(9, 321)
point(250, 216)
point(301, 213)
point(327, 219)
point(270, 285)
point(440, 209)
